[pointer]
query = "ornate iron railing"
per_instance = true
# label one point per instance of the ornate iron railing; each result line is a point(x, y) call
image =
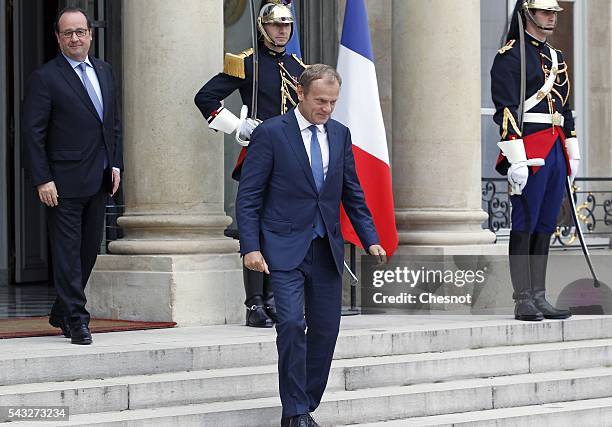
point(593, 197)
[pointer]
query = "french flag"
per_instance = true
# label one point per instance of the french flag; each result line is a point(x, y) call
point(358, 108)
point(293, 45)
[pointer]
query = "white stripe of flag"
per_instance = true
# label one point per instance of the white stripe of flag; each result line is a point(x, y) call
point(358, 108)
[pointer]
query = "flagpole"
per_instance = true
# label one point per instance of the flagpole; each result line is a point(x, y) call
point(353, 281)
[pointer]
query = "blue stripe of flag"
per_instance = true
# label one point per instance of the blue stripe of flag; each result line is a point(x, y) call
point(293, 45)
point(355, 30)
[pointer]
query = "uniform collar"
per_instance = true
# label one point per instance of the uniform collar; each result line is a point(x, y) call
point(532, 40)
point(305, 124)
point(273, 53)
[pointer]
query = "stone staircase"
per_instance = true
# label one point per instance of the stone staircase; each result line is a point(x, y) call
point(388, 371)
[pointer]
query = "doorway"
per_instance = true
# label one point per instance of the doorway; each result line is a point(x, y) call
point(28, 42)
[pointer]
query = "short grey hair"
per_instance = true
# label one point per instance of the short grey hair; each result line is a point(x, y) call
point(316, 72)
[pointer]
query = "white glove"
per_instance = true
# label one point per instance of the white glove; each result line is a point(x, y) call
point(575, 165)
point(246, 127)
point(518, 173)
point(517, 177)
point(514, 150)
point(573, 152)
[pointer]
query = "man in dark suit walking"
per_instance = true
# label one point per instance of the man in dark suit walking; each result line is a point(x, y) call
point(298, 169)
point(72, 138)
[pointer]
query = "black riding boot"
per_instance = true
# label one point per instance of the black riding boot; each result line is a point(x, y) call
point(256, 315)
point(524, 308)
point(540, 243)
point(268, 298)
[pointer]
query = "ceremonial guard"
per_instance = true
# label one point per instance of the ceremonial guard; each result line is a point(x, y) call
point(530, 88)
point(266, 77)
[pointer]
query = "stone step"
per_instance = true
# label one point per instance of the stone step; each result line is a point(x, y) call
point(378, 404)
point(44, 359)
point(586, 413)
point(181, 388)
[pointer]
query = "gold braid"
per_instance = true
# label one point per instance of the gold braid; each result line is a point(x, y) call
point(562, 70)
point(286, 85)
point(509, 117)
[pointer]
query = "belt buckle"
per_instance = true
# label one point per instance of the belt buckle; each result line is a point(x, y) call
point(556, 119)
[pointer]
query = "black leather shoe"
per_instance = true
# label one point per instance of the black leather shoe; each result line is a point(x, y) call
point(256, 317)
point(80, 334)
point(60, 322)
point(549, 311)
point(525, 310)
point(300, 421)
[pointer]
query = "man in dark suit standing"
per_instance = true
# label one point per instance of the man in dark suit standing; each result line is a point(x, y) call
point(298, 169)
point(72, 138)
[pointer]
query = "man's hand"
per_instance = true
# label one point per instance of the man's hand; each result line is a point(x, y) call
point(116, 180)
point(378, 251)
point(47, 193)
point(256, 262)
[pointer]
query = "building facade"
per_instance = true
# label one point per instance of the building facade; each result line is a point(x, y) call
point(174, 262)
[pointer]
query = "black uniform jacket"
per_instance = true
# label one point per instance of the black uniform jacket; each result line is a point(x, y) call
point(506, 84)
point(278, 74)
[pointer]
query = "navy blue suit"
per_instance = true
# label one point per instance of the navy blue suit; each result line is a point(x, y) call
point(275, 209)
point(67, 142)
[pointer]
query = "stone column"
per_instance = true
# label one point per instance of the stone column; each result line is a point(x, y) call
point(436, 124)
point(174, 264)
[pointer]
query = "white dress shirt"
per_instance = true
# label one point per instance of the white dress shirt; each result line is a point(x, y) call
point(307, 135)
point(91, 74)
point(93, 78)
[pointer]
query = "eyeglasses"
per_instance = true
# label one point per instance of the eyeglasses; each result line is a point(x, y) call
point(80, 33)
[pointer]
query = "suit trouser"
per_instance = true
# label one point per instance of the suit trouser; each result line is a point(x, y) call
point(75, 233)
point(308, 296)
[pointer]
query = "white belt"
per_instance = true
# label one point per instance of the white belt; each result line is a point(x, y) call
point(552, 119)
